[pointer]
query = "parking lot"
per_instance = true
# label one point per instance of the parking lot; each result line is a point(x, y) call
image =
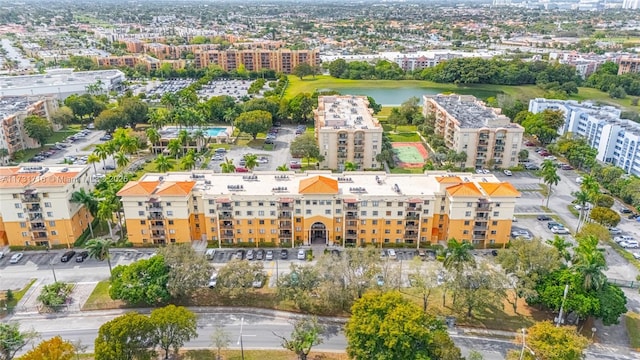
point(278, 156)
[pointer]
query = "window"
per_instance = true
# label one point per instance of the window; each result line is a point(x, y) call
point(24, 233)
point(172, 231)
point(250, 222)
point(45, 195)
point(250, 231)
point(260, 212)
point(211, 211)
point(168, 204)
point(53, 232)
point(237, 213)
point(139, 203)
point(298, 211)
point(143, 231)
point(399, 222)
point(272, 213)
point(262, 231)
point(363, 213)
point(298, 220)
point(497, 204)
point(308, 202)
point(52, 223)
point(465, 232)
point(298, 228)
point(389, 204)
point(169, 213)
point(210, 202)
point(363, 231)
point(496, 213)
point(494, 223)
point(388, 213)
point(398, 231)
point(399, 213)
point(374, 222)
point(400, 203)
point(467, 213)
point(261, 222)
point(363, 222)
point(327, 212)
point(375, 203)
point(238, 231)
point(466, 223)
point(15, 196)
point(308, 212)
point(493, 232)
point(387, 222)
point(469, 204)
point(387, 231)
point(249, 213)
point(49, 214)
point(248, 203)
point(140, 213)
point(170, 222)
point(274, 231)
point(374, 213)
point(23, 224)
point(20, 216)
point(364, 203)
point(18, 205)
point(426, 202)
point(47, 204)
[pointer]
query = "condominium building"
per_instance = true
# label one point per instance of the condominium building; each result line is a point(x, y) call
point(60, 83)
point(628, 64)
point(36, 207)
point(13, 111)
point(279, 60)
point(318, 207)
point(616, 140)
point(468, 125)
point(346, 131)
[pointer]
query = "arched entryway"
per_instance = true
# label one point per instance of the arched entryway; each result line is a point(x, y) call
point(318, 234)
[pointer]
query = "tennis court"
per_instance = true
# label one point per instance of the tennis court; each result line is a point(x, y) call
point(409, 154)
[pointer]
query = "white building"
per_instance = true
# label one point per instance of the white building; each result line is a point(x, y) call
point(61, 83)
point(615, 139)
point(631, 4)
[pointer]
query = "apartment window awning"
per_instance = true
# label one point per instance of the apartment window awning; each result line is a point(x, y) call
point(285, 200)
point(350, 201)
point(223, 201)
point(415, 201)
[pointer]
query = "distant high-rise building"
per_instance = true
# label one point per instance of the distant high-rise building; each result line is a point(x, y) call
point(501, 2)
point(631, 4)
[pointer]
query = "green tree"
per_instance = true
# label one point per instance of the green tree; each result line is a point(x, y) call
point(3, 154)
point(144, 281)
point(55, 295)
point(388, 326)
point(459, 256)
point(38, 128)
point(175, 147)
point(111, 119)
point(250, 161)
point(62, 116)
point(92, 159)
point(374, 105)
point(523, 155)
point(127, 337)
point(162, 163)
point(87, 200)
point(300, 107)
point(305, 146)
point(99, 249)
point(236, 278)
point(395, 118)
point(301, 70)
point(337, 68)
point(423, 279)
point(562, 245)
point(549, 176)
point(12, 340)
point(605, 216)
point(582, 199)
point(188, 270)
point(350, 166)
point(605, 201)
point(52, 349)
point(254, 122)
point(172, 327)
point(479, 289)
point(227, 166)
point(593, 229)
point(135, 110)
point(121, 159)
point(299, 286)
point(307, 333)
point(153, 136)
point(188, 162)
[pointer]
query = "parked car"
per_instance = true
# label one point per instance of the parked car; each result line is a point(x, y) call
point(258, 282)
point(615, 231)
point(622, 238)
point(392, 254)
point(559, 230)
point(105, 138)
point(529, 143)
point(213, 280)
point(269, 255)
point(15, 258)
point(507, 172)
point(108, 167)
point(579, 180)
point(624, 210)
point(82, 256)
point(379, 280)
point(552, 224)
point(242, 170)
point(521, 234)
point(1, 254)
point(294, 165)
point(67, 256)
point(636, 255)
point(284, 254)
point(544, 218)
point(632, 244)
point(532, 167)
point(209, 254)
point(259, 254)
point(566, 167)
point(249, 254)
point(239, 254)
point(302, 255)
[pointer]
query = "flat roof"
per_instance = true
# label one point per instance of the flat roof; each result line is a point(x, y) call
point(279, 184)
point(38, 175)
point(470, 112)
point(57, 77)
point(10, 105)
point(345, 112)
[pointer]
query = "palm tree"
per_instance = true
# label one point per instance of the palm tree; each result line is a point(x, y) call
point(582, 199)
point(198, 137)
point(227, 166)
point(590, 263)
point(458, 256)
point(153, 136)
point(105, 212)
point(129, 145)
point(350, 166)
point(282, 167)
point(121, 159)
point(102, 153)
point(229, 115)
point(162, 163)
point(3, 154)
point(175, 147)
point(99, 250)
point(184, 138)
point(549, 176)
point(88, 201)
point(188, 162)
point(93, 159)
point(159, 118)
point(562, 245)
point(250, 161)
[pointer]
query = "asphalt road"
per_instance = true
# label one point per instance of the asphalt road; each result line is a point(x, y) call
point(258, 332)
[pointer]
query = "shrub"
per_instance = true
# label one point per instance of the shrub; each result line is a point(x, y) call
point(55, 295)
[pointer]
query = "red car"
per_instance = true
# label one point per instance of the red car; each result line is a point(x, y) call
point(295, 165)
point(544, 153)
point(241, 169)
point(529, 143)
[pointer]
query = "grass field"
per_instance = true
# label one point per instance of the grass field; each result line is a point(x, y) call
point(100, 299)
point(405, 137)
point(632, 321)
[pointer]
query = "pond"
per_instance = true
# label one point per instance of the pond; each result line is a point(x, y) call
point(395, 97)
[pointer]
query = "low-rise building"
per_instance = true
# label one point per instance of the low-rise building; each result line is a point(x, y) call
point(60, 83)
point(13, 111)
point(289, 209)
point(467, 125)
point(346, 131)
point(36, 207)
point(615, 139)
point(628, 64)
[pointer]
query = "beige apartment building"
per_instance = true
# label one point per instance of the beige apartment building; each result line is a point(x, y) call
point(346, 131)
point(280, 60)
point(467, 125)
point(318, 207)
point(13, 111)
point(36, 207)
point(628, 64)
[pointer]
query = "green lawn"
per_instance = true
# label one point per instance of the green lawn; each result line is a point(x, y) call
point(404, 137)
point(603, 97)
point(100, 299)
point(632, 321)
point(58, 136)
point(399, 128)
point(399, 170)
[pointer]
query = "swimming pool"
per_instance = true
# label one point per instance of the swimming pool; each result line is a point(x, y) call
point(210, 132)
point(215, 131)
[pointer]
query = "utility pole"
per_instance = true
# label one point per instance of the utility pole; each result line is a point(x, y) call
point(564, 298)
point(240, 338)
point(53, 270)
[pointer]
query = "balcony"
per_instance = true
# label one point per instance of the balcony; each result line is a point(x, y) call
point(154, 208)
point(34, 209)
point(342, 155)
point(38, 228)
point(411, 226)
point(284, 215)
point(224, 206)
point(358, 148)
point(285, 233)
point(285, 225)
point(285, 206)
point(411, 235)
point(157, 227)
point(30, 198)
point(351, 206)
point(226, 234)
point(155, 216)
point(351, 215)
point(413, 207)
point(40, 236)
point(225, 215)
point(351, 224)
point(481, 228)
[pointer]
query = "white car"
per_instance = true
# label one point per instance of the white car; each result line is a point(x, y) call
point(622, 238)
point(560, 230)
point(633, 244)
point(550, 157)
point(636, 255)
point(15, 258)
point(392, 254)
point(508, 172)
point(579, 180)
point(213, 280)
point(615, 231)
point(302, 255)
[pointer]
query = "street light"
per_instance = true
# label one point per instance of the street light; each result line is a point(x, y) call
point(240, 338)
point(53, 270)
point(524, 345)
point(564, 298)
